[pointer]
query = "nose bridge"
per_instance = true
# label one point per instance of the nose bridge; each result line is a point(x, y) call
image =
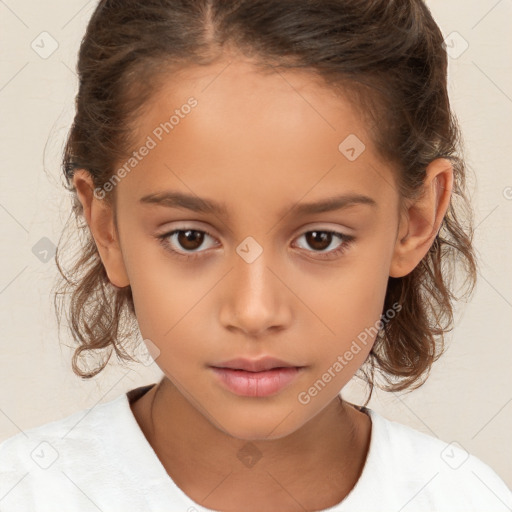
point(253, 276)
point(255, 298)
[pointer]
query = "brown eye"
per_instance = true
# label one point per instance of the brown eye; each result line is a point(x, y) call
point(190, 239)
point(319, 240)
point(186, 243)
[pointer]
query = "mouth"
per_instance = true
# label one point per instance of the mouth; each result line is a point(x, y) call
point(255, 365)
point(256, 378)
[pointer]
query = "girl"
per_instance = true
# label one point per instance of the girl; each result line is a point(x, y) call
point(269, 192)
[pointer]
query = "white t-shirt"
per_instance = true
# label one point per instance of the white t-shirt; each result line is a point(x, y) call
point(98, 459)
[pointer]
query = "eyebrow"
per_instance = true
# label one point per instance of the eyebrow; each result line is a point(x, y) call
point(174, 199)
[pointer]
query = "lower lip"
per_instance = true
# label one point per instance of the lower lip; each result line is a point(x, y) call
point(257, 384)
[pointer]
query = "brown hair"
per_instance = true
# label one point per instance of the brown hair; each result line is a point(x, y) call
point(388, 54)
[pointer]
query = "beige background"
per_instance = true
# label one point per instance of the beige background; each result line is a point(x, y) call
point(468, 397)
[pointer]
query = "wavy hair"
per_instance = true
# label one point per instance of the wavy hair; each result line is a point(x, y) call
point(387, 55)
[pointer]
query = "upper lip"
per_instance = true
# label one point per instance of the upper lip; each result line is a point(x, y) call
point(254, 365)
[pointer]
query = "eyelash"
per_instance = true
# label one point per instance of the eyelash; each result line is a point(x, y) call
point(347, 241)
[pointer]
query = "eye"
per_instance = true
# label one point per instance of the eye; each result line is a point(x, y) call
point(322, 240)
point(187, 240)
point(185, 243)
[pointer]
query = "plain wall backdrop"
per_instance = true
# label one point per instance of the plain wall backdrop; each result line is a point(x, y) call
point(468, 396)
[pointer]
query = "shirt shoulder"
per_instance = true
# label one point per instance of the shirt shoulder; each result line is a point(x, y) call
point(39, 446)
point(414, 471)
point(95, 459)
point(67, 464)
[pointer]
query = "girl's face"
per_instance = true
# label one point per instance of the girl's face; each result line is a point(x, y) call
point(254, 272)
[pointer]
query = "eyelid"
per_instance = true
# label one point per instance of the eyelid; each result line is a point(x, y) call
point(324, 226)
point(163, 239)
point(346, 241)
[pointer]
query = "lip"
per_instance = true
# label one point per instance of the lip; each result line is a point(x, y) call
point(256, 378)
point(255, 365)
point(256, 384)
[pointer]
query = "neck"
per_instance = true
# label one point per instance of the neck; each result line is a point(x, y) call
point(314, 467)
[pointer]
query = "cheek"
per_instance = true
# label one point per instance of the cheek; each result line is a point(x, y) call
point(348, 300)
point(174, 311)
point(165, 305)
point(350, 305)
point(351, 292)
point(162, 292)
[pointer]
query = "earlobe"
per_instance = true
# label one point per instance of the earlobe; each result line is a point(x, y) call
point(422, 219)
point(100, 219)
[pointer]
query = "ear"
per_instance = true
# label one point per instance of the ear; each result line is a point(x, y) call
point(100, 218)
point(421, 220)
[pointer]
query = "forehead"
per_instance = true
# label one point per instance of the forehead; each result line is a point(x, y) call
point(237, 94)
point(254, 132)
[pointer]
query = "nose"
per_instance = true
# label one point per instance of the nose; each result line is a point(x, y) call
point(255, 300)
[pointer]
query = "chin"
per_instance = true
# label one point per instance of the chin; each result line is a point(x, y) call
point(259, 426)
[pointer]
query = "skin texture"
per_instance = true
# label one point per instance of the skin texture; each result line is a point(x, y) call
point(260, 143)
